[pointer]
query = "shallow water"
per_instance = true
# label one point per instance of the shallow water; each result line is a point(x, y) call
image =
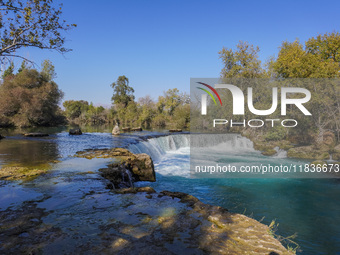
point(73, 191)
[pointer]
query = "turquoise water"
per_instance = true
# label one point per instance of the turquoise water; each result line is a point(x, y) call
point(308, 207)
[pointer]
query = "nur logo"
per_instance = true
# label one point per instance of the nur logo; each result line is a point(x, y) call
point(204, 97)
point(238, 99)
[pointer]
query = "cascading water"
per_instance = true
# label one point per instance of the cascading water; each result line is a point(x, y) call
point(158, 147)
point(127, 178)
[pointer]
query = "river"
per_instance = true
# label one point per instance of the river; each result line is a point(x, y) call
point(308, 207)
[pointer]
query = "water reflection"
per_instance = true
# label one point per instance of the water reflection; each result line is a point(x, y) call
point(27, 152)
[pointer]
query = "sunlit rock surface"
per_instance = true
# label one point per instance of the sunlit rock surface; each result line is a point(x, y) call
point(138, 221)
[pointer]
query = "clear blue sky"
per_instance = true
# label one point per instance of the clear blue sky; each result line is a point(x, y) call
point(160, 44)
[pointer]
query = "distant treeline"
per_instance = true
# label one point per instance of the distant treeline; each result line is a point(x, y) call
point(170, 110)
point(31, 98)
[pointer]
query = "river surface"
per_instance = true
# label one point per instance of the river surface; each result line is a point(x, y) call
point(308, 207)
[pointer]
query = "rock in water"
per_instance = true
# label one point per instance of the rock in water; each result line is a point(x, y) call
point(130, 168)
point(1, 137)
point(75, 131)
point(175, 130)
point(137, 129)
point(115, 130)
point(35, 134)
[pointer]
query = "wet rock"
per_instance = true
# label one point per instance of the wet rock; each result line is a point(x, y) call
point(175, 130)
point(269, 152)
point(137, 129)
point(22, 231)
point(118, 175)
point(126, 129)
point(160, 224)
point(1, 137)
point(115, 130)
point(129, 168)
point(75, 131)
point(135, 190)
point(11, 173)
point(35, 134)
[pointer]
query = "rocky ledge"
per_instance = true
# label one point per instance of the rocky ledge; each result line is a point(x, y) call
point(140, 221)
point(128, 169)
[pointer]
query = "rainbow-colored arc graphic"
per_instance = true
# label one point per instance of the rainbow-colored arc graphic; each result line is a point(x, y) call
point(213, 90)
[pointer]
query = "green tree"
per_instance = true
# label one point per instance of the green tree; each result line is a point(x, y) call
point(294, 61)
point(48, 70)
point(9, 71)
point(169, 101)
point(73, 109)
point(31, 23)
point(327, 46)
point(242, 62)
point(122, 92)
point(29, 100)
point(23, 66)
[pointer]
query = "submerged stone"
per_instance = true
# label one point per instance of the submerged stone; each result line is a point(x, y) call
point(75, 131)
point(35, 134)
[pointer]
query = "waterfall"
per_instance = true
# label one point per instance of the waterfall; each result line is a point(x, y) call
point(231, 143)
point(280, 153)
point(157, 147)
point(127, 178)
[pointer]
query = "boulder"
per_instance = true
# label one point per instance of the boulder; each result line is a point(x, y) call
point(137, 129)
point(126, 129)
point(142, 167)
point(115, 130)
point(35, 134)
point(75, 131)
point(130, 167)
point(175, 130)
point(1, 137)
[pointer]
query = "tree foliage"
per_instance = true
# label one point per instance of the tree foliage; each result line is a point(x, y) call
point(242, 62)
point(318, 58)
point(29, 99)
point(122, 92)
point(31, 23)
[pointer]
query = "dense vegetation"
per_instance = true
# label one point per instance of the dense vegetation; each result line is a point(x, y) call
point(30, 98)
point(171, 110)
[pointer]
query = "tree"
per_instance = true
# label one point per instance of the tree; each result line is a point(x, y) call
point(27, 99)
point(23, 66)
point(327, 46)
point(242, 62)
point(31, 23)
point(9, 71)
point(122, 92)
point(169, 101)
point(294, 61)
point(73, 109)
point(48, 70)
